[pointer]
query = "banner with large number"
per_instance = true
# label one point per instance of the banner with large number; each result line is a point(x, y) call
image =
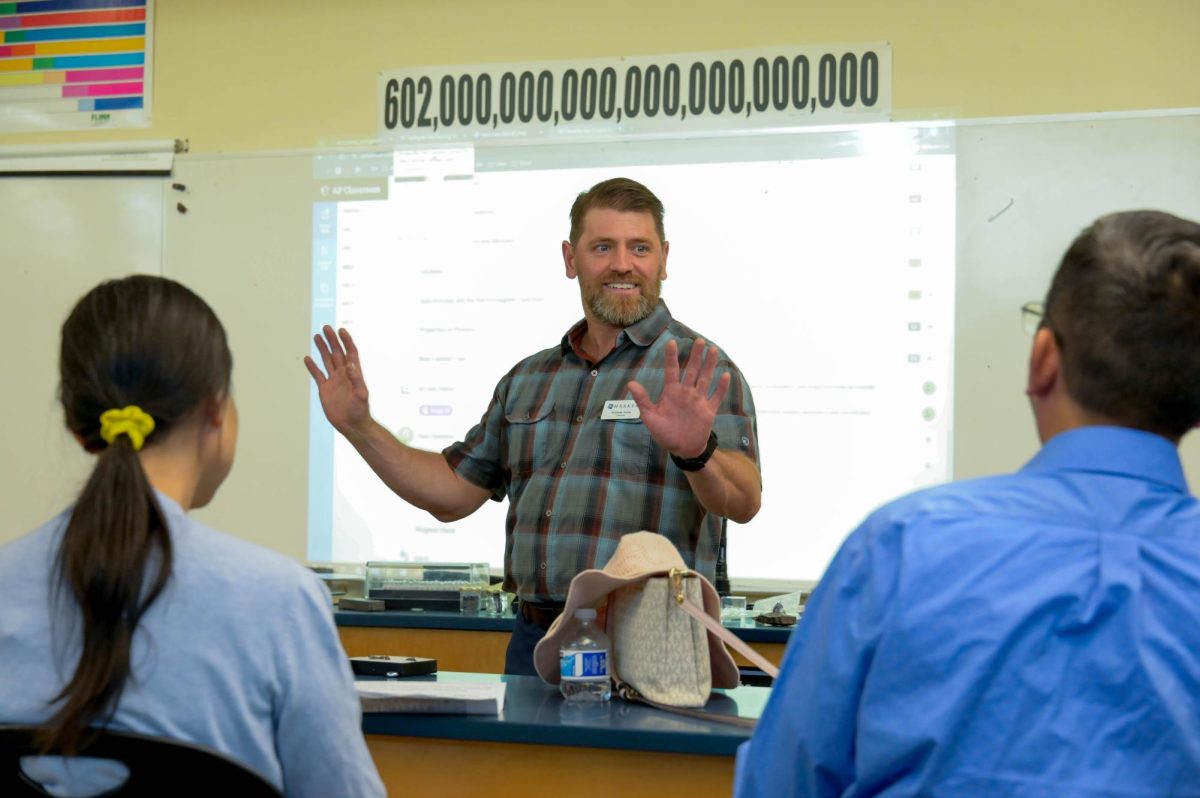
point(779, 87)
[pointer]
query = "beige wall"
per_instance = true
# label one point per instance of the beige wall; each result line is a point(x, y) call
point(244, 75)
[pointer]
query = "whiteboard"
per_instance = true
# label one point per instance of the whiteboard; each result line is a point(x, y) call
point(61, 235)
point(1025, 189)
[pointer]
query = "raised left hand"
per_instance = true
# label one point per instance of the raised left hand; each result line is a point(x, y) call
point(683, 415)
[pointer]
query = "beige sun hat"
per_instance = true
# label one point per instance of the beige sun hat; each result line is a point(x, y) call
point(639, 555)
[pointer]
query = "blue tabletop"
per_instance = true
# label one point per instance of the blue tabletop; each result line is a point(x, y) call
point(535, 712)
point(434, 619)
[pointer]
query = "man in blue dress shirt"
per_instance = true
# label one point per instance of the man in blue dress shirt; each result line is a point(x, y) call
point(1034, 634)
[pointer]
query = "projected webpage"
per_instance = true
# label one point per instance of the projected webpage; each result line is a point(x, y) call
point(822, 263)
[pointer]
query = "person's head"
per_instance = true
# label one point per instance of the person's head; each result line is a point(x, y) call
point(618, 251)
point(1122, 324)
point(144, 369)
point(151, 343)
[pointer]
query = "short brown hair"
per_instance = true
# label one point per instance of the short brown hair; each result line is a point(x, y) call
point(1125, 308)
point(619, 194)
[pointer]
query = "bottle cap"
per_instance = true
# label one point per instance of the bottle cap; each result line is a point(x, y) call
point(586, 614)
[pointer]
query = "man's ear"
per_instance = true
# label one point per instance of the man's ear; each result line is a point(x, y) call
point(662, 270)
point(568, 253)
point(1045, 364)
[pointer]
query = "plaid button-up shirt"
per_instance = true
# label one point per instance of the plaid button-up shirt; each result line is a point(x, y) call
point(576, 482)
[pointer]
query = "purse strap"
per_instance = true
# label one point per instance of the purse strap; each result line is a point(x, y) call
point(713, 625)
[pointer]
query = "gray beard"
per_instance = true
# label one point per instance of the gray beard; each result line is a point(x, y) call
point(621, 315)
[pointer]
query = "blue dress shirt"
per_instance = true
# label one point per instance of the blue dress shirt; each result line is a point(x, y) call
point(1033, 634)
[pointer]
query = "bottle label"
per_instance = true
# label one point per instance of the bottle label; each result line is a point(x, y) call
point(577, 665)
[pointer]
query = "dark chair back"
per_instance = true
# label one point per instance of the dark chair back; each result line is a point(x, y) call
point(157, 766)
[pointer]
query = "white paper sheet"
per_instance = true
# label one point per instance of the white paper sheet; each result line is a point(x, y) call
point(431, 697)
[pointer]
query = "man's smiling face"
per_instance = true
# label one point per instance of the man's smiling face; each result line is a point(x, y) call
point(621, 263)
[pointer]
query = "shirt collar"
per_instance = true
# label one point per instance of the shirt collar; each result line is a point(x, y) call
point(1113, 450)
point(169, 506)
point(643, 333)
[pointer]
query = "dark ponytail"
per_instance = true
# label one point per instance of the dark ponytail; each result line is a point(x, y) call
point(144, 341)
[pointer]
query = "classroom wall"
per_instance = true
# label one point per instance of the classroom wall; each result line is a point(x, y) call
point(238, 75)
point(240, 78)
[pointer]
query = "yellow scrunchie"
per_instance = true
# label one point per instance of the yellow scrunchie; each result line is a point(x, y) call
point(130, 420)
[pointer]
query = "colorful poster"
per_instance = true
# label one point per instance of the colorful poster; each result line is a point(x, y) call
point(74, 64)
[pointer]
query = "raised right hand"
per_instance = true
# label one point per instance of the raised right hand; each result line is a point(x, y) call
point(341, 387)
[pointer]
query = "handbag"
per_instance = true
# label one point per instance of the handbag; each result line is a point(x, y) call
point(660, 647)
point(662, 620)
point(657, 650)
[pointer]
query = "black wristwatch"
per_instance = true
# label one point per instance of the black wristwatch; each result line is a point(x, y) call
point(698, 462)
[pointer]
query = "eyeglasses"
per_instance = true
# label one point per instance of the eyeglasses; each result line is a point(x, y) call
point(1032, 316)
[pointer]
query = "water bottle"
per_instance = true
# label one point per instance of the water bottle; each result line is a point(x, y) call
point(583, 662)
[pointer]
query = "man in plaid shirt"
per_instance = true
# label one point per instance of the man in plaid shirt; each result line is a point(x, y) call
point(631, 422)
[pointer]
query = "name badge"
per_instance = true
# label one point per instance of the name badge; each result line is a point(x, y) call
point(618, 409)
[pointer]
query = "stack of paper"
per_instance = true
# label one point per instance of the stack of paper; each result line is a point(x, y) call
point(431, 697)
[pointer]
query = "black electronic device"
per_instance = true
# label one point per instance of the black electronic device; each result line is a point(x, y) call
point(434, 586)
point(360, 604)
point(385, 665)
point(417, 599)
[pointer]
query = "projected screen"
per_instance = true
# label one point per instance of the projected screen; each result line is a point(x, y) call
point(822, 263)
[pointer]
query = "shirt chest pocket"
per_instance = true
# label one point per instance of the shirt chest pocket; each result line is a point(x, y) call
point(632, 447)
point(535, 438)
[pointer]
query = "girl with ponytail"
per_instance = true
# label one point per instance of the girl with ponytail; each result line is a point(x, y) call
point(124, 612)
